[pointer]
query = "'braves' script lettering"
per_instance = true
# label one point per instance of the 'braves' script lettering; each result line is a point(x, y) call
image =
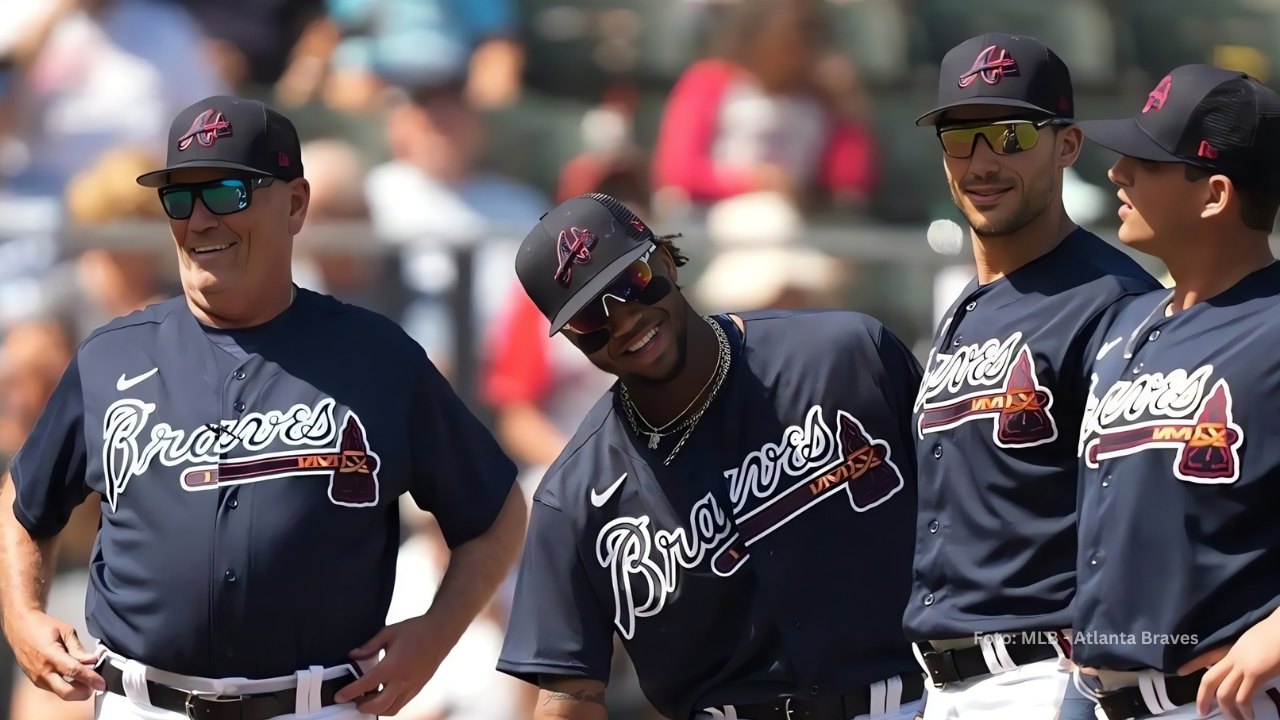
point(641, 584)
point(124, 457)
point(970, 366)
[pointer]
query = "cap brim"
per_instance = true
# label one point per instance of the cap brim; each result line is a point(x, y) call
point(595, 286)
point(158, 178)
point(931, 117)
point(1126, 137)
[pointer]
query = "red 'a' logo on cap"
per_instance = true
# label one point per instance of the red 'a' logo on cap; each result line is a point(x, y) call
point(1157, 97)
point(991, 65)
point(573, 246)
point(205, 129)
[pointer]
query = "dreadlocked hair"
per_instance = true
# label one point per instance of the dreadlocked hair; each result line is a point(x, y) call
point(665, 242)
point(624, 215)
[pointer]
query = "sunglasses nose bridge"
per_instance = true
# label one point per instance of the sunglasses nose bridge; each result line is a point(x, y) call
point(620, 314)
point(200, 212)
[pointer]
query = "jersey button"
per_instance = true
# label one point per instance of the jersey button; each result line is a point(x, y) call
point(239, 374)
point(928, 599)
point(230, 576)
point(1106, 480)
point(956, 342)
point(1153, 336)
point(972, 304)
point(1096, 558)
point(814, 690)
point(239, 406)
point(795, 623)
point(933, 526)
point(1137, 369)
point(233, 503)
point(937, 450)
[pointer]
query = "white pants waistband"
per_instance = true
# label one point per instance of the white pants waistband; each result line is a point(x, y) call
point(307, 682)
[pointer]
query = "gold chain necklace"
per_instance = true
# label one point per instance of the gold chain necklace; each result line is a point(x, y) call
point(717, 380)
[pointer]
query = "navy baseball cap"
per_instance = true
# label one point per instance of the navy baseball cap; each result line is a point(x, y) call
point(233, 134)
point(1221, 120)
point(576, 250)
point(1016, 71)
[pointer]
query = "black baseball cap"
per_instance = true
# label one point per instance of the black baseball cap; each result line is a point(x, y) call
point(234, 134)
point(576, 250)
point(1221, 120)
point(1016, 71)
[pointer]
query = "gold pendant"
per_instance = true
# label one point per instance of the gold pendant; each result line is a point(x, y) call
point(653, 441)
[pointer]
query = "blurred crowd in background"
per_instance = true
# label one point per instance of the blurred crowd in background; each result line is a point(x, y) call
point(777, 135)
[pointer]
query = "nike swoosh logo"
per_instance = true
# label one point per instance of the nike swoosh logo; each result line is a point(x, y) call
point(1106, 347)
point(125, 383)
point(599, 499)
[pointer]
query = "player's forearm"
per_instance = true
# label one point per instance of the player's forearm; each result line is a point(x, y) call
point(571, 700)
point(476, 568)
point(26, 564)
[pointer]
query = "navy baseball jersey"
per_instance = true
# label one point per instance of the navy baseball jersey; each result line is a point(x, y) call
point(249, 481)
point(771, 557)
point(1179, 546)
point(995, 425)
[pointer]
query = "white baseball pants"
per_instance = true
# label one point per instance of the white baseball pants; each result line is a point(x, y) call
point(1029, 692)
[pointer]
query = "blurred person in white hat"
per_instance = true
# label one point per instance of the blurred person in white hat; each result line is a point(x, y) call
point(758, 236)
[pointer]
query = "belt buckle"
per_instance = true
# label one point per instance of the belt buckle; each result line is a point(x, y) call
point(189, 706)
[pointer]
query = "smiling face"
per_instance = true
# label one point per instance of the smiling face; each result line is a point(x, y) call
point(646, 344)
point(1001, 194)
point(242, 254)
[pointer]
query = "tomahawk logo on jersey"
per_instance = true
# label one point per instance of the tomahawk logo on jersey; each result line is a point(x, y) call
point(993, 381)
point(318, 446)
point(1186, 412)
point(774, 485)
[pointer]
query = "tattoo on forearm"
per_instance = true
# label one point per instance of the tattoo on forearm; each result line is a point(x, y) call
point(580, 696)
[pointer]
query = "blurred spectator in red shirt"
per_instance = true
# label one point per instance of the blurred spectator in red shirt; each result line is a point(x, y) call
point(773, 112)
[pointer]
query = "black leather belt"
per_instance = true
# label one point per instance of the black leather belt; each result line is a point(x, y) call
point(966, 663)
point(1127, 703)
point(259, 706)
point(839, 707)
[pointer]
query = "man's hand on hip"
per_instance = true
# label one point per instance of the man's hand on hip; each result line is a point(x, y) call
point(52, 656)
point(414, 652)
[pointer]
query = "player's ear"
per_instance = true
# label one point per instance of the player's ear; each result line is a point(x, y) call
point(299, 202)
point(667, 264)
point(1070, 142)
point(1219, 193)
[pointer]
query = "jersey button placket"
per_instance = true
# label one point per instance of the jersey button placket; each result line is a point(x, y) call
point(232, 536)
